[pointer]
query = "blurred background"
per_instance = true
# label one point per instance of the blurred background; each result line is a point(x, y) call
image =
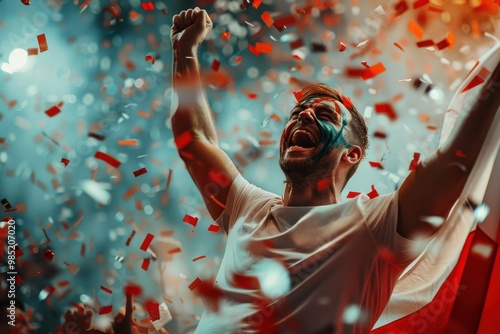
point(81, 77)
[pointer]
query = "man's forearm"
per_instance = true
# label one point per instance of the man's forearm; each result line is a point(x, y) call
point(193, 112)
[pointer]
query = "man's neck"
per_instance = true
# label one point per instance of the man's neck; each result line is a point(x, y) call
point(318, 193)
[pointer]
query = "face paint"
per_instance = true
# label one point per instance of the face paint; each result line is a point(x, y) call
point(330, 136)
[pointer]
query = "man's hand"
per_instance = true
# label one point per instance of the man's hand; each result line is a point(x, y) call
point(189, 29)
point(124, 324)
point(79, 320)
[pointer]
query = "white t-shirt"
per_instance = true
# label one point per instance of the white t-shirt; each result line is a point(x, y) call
point(342, 262)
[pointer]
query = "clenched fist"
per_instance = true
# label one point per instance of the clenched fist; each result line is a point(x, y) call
point(189, 29)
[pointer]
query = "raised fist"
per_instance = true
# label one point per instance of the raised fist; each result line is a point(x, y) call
point(189, 29)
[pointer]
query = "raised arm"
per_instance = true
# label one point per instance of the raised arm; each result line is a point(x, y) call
point(211, 169)
point(436, 184)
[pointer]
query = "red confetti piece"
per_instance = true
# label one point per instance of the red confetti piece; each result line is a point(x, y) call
point(347, 102)
point(416, 30)
point(400, 7)
point(190, 220)
point(26, 2)
point(150, 58)
point(246, 282)
point(42, 42)
point(48, 255)
point(147, 6)
point(420, 3)
point(296, 44)
point(435, 9)
point(238, 59)
point(373, 193)
point(32, 51)
point(253, 50)
point(476, 81)
point(425, 44)
point(174, 250)
point(375, 164)
point(145, 264)
point(196, 283)
point(215, 65)
point(82, 250)
point(214, 228)
point(252, 96)
point(130, 238)
point(447, 42)
point(342, 47)
point(323, 184)
point(52, 111)
point(353, 194)
point(285, 22)
point(365, 64)
point(399, 46)
point(153, 309)
point(103, 288)
point(65, 162)
point(256, 3)
point(373, 71)
point(107, 158)
point(183, 140)
point(141, 171)
point(414, 162)
point(385, 108)
point(199, 258)
point(225, 35)
point(298, 94)
point(268, 20)
point(105, 309)
point(264, 47)
point(133, 290)
point(6, 204)
point(147, 241)
point(97, 136)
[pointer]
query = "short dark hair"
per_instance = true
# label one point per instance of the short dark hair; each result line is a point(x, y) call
point(358, 125)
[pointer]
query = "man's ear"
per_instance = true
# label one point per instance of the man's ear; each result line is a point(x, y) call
point(352, 154)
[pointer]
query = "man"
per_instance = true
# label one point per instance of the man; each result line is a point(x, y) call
point(342, 260)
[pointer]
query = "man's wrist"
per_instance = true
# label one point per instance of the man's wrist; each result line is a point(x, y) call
point(186, 52)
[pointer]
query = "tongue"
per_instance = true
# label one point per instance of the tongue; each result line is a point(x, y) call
point(302, 139)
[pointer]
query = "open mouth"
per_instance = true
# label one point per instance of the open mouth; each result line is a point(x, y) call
point(301, 140)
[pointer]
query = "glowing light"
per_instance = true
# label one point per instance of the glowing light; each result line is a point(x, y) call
point(273, 277)
point(481, 212)
point(18, 59)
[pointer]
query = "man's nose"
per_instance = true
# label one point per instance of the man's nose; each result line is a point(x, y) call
point(306, 116)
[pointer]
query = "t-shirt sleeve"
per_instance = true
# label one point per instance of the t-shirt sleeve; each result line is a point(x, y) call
point(381, 218)
point(243, 198)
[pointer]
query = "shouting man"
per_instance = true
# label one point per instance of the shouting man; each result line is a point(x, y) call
point(304, 262)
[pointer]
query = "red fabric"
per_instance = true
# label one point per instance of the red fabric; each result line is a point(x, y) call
point(434, 316)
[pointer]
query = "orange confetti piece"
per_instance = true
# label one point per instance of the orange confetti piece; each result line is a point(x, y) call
point(253, 50)
point(42, 43)
point(144, 114)
point(134, 15)
point(420, 3)
point(174, 250)
point(268, 20)
point(373, 71)
point(399, 46)
point(238, 59)
point(32, 51)
point(264, 47)
point(128, 142)
point(256, 3)
point(225, 35)
point(130, 192)
point(416, 30)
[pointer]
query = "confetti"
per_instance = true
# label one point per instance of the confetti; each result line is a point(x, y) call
point(97, 136)
point(199, 258)
point(215, 65)
point(342, 47)
point(196, 283)
point(26, 2)
point(353, 194)
point(183, 140)
point(399, 46)
point(425, 44)
point(447, 42)
point(65, 162)
point(130, 238)
point(263, 47)
point(225, 35)
point(150, 58)
point(420, 3)
point(147, 6)
point(145, 264)
point(256, 3)
point(147, 241)
point(6, 204)
point(32, 51)
point(283, 22)
point(400, 7)
point(373, 71)
point(268, 20)
point(128, 142)
point(375, 164)
point(298, 94)
point(373, 193)
point(141, 171)
point(153, 309)
point(103, 288)
point(48, 255)
point(385, 108)
point(82, 250)
point(54, 110)
point(108, 159)
point(414, 162)
point(105, 309)
point(42, 42)
point(190, 220)
point(214, 228)
point(416, 30)
point(174, 250)
point(132, 290)
point(253, 50)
